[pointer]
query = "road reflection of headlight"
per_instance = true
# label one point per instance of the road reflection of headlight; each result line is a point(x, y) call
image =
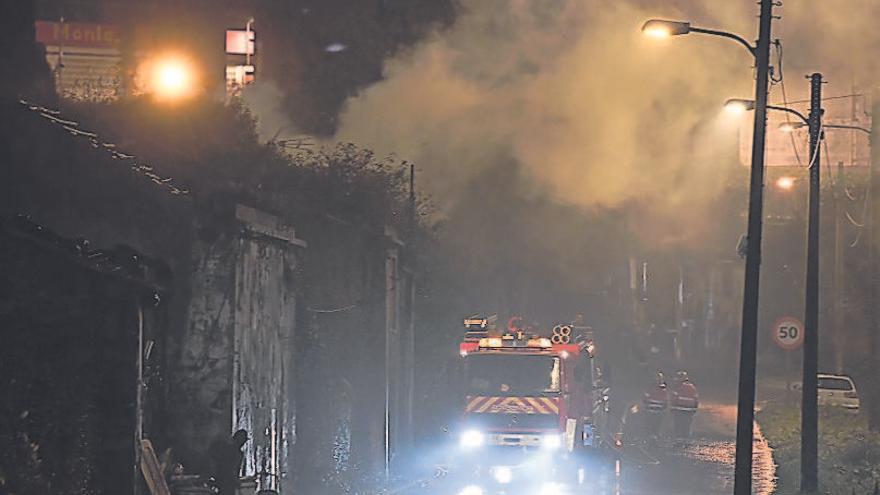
point(551, 489)
point(471, 490)
point(551, 442)
point(502, 474)
point(471, 439)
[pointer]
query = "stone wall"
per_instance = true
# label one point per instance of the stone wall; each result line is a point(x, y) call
point(266, 284)
point(235, 360)
point(243, 293)
point(201, 367)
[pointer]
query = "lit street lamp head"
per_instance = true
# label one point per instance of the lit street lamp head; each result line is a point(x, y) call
point(785, 183)
point(658, 28)
point(791, 126)
point(738, 105)
point(170, 78)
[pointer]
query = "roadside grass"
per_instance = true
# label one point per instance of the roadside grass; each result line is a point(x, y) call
point(849, 454)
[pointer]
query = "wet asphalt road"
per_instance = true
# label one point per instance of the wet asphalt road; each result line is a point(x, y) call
point(700, 465)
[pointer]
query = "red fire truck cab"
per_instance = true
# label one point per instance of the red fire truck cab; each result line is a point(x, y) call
point(532, 406)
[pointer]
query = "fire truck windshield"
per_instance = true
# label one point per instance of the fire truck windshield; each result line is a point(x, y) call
point(497, 374)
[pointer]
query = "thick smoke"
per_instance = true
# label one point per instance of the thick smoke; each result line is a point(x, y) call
point(596, 114)
point(262, 99)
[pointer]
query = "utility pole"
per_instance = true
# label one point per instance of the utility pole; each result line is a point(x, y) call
point(838, 337)
point(809, 399)
point(745, 415)
point(873, 265)
point(411, 270)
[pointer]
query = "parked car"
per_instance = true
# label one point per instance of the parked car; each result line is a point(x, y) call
point(838, 391)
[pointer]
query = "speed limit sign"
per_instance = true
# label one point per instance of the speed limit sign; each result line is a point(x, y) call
point(788, 333)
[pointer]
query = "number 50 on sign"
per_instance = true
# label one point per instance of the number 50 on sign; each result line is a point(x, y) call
point(788, 332)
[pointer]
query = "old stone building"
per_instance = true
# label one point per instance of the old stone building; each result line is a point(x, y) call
point(295, 327)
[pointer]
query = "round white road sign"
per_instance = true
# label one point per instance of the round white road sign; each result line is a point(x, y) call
point(788, 333)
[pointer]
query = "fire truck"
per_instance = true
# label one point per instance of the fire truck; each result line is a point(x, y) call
point(535, 409)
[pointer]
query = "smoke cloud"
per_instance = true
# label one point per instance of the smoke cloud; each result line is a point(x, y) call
point(263, 99)
point(585, 108)
point(596, 115)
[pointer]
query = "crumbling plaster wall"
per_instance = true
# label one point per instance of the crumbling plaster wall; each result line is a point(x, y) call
point(265, 310)
point(235, 359)
point(201, 377)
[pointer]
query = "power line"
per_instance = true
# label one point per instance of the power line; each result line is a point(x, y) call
point(73, 128)
point(797, 154)
point(838, 97)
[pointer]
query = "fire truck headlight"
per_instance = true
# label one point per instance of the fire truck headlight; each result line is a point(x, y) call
point(551, 442)
point(471, 490)
point(502, 474)
point(551, 489)
point(471, 439)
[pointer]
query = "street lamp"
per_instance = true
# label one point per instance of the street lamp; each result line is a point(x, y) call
point(171, 78)
point(785, 183)
point(792, 126)
point(809, 407)
point(745, 416)
point(740, 105)
point(660, 28)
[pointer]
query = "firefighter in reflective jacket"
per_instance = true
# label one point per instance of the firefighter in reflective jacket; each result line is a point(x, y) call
point(684, 402)
point(655, 401)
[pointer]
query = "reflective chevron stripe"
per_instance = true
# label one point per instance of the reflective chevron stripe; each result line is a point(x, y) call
point(512, 405)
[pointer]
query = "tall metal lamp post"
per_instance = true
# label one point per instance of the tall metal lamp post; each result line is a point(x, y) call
point(742, 484)
point(809, 397)
point(809, 401)
point(809, 415)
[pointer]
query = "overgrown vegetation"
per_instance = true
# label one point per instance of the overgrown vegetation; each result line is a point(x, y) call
point(849, 454)
point(212, 148)
point(66, 176)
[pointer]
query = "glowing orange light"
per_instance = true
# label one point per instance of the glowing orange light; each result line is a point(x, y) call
point(735, 107)
point(660, 28)
point(657, 32)
point(785, 183)
point(172, 77)
point(738, 106)
point(790, 126)
point(169, 78)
